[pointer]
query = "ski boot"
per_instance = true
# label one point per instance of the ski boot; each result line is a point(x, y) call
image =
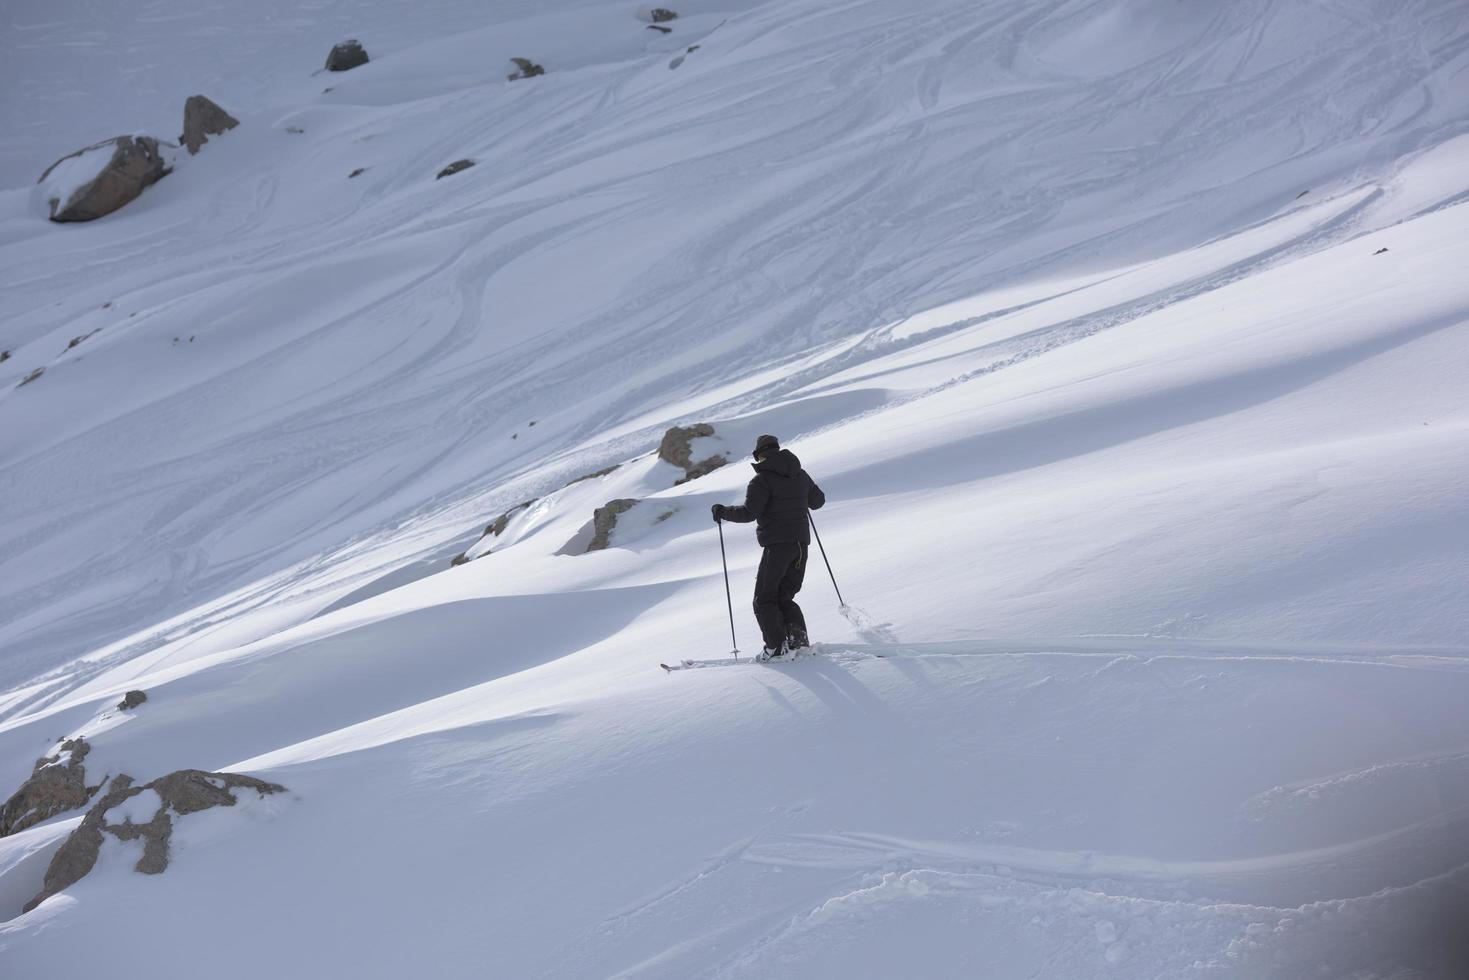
point(768, 654)
point(797, 640)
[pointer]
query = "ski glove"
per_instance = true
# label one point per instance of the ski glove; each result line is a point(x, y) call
point(718, 511)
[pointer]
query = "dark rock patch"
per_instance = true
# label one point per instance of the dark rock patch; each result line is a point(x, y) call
point(54, 787)
point(595, 475)
point(135, 165)
point(604, 520)
point(346, 56)
point(31, 377)
point(180, 793)
point(203, 119)
point(132, 699)
point(662, 15)
point(75, 341)
point(454, 168)
point(677, 448)
point(527, 69)
point(1380, 250)
point(4, 356)
point(660, 27)
point(357, 173)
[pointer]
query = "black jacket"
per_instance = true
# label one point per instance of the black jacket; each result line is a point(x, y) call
point(777, 500)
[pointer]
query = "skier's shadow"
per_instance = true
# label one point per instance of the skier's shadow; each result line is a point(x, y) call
point(834, 686)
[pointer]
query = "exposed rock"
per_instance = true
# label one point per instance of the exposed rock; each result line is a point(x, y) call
point(677, 448)
point(346, 56)
point(528, 69)
point(660, 27)
point(662, 14)
point(295, 130)
point(75, 341)
point(135, 164)
point(702, 468)
point(57, 783)
point(454, 168)
point(357, 173)
point(1380, 250)
point(180, 793)
point(131, 700)
point(459, 559)
point(31, 377)
point(203, 119)
point(4, 356)
point(592, 476)
point(604, 519)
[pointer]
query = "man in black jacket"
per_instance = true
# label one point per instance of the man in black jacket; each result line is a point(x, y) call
point(777, 500)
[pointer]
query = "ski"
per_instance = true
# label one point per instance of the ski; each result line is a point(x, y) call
point(729, 662)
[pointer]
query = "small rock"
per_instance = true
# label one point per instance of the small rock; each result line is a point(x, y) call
point(662, 14)
point(295, 130)
point(346, 56)
point(660, 27)
point(131, 700)
point(357, 173)
point(4, 356)
point(31, 377)
point(1380, 250)
point(454, 168)
point(528, 69)
point(203, 119)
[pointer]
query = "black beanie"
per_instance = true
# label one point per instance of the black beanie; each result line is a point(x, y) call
point(765, 444)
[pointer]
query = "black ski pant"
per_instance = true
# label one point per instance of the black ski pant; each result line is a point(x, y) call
point(782, 570)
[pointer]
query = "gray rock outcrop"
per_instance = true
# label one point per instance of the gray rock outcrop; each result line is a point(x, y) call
point(135, 164)
point(662, 14)
point(346, 56)
point(604, 520)
point(131, 700)
point(203, 119)
point(56, 785)
point(180, 793)
point(677, 448)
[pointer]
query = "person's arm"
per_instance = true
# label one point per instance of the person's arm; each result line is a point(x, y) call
point(815, 499)
point(756, 498)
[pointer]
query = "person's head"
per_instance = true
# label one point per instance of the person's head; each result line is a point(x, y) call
point(765, 447)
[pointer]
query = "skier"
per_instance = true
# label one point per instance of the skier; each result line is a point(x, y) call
point(777, 500)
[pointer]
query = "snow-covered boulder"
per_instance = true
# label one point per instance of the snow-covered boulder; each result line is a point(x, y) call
point(101, 178)
point(204, 118)
point(346, 56)
point(57, 783)
point(147, 812)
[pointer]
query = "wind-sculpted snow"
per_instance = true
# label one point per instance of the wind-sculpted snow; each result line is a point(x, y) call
point(1126, 337)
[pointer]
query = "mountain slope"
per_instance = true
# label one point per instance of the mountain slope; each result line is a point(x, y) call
point(1146, 469)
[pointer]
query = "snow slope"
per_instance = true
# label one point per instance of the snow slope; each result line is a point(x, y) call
point(1147, 474)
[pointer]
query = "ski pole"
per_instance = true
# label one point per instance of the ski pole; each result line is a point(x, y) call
point(727, 600)
point(824, 559)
